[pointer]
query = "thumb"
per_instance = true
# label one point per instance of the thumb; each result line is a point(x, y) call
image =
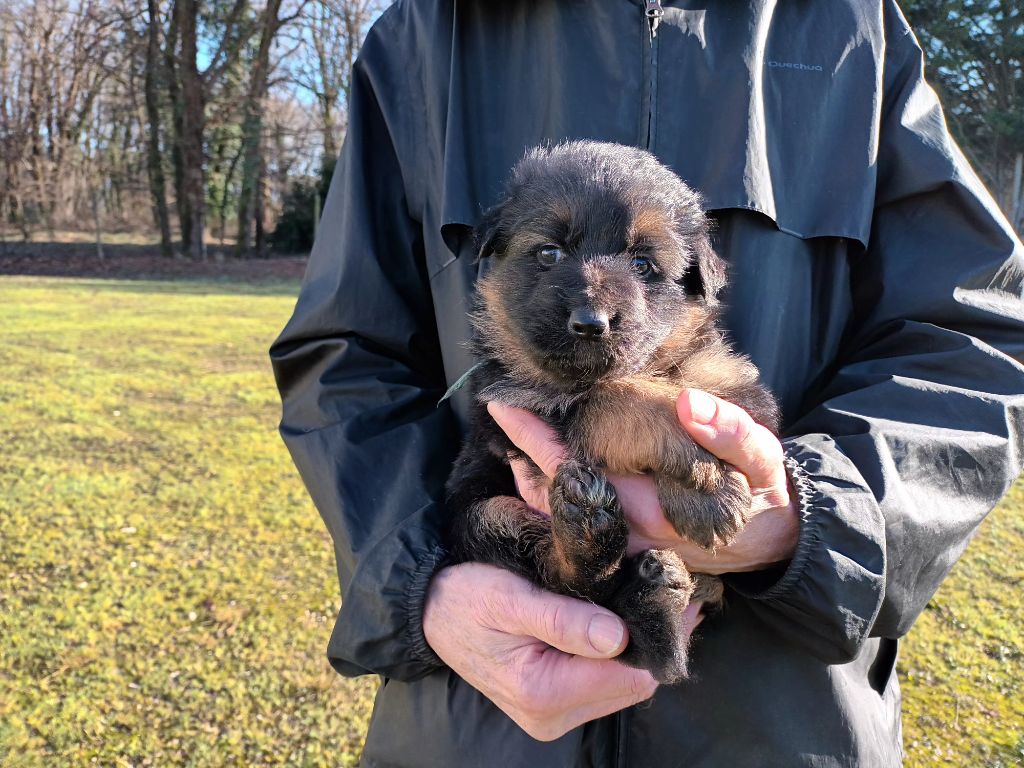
point(728, 432)
point(573, 626)
point(531, 435)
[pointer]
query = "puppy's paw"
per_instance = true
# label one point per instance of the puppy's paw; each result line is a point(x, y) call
point(579, 484)
point(710, 508)
point(656, 590)
point(590, 531)
point(662, 568)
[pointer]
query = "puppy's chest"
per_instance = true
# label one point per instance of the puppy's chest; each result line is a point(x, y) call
point(625, 426)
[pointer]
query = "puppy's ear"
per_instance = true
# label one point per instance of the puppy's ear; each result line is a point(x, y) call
point(490, 234)
point(706, 274)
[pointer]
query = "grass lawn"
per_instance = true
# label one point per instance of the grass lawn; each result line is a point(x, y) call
point(167, 589)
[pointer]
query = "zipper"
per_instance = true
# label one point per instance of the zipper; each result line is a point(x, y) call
point(654, 12)
point(621, 726)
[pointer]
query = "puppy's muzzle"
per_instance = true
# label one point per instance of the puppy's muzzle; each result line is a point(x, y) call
point(588, 323)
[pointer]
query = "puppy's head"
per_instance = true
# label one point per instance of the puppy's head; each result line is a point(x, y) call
point(601, 255)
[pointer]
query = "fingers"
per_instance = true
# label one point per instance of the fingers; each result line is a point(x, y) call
point(591, 689)
point(572, 626)
point(495, 630)
point(721, 427)
point(532, 490)
point(693, 615)
point(566, 691)
point(727, 431)
point(531, 435)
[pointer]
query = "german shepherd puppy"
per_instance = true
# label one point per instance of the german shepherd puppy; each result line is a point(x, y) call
point(598, 310)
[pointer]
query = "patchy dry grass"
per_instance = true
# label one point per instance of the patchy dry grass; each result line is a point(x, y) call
point(962, 666)
point(167, 590)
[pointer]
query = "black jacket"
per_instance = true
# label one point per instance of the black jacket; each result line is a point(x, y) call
point(873, 281)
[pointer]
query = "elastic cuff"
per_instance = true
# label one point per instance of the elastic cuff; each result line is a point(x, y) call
point(828, 597)
point(755, 585)
point(415, 599)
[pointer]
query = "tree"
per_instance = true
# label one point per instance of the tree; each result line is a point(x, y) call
point(162, 114)
point(975, 50)
point(155, 163)
point(333, 34)
point(190, 90)
point(250, 201)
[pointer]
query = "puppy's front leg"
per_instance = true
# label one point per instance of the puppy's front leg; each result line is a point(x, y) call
point(649, 590)
point(707, 501)
point(590, 531)
point(633, 426)
point(577, 551)
point(487, 523)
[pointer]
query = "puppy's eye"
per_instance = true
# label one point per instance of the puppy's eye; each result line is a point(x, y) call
point(643, 265)
point(549, 255)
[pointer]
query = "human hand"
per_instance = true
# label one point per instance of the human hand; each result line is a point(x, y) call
point(545, 660)
point(722, 428)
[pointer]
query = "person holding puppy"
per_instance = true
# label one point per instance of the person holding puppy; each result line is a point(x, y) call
point(872, 281)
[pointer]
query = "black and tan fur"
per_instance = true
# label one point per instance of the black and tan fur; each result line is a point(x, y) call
point(598, 310)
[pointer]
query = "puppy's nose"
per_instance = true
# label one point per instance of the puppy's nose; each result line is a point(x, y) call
point(588, 323)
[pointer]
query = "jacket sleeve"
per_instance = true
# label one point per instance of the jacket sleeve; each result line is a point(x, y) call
point(360, 374)
point(918, 432)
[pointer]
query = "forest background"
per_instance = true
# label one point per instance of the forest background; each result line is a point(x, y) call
point(213, 125)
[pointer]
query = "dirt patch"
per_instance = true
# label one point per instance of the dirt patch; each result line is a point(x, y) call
point(140, 262)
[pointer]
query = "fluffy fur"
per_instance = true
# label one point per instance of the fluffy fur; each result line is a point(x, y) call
point(599, 308)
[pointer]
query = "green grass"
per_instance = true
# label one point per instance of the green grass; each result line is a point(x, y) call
point(167, 589)
point(962, 668)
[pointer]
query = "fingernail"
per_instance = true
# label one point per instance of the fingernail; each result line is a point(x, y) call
point(703, 408)
point(605, 633)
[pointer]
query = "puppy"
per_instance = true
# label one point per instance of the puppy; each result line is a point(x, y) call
point(598, 310)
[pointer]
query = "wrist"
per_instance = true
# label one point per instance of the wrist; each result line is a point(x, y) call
point(419, 600)
point(772, 539)
point(768, 540)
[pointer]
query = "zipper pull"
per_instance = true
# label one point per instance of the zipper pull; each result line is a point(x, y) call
point(654, 12)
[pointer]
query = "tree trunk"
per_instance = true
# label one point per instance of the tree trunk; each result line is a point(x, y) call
point(259, 207)
point(330, 142)
point(225, 194)
point(252, 127)
point(332, 145)
point(97, 223)
point(250, 199)
point(193, 181)
point(155, 162)
point(177, 127)
point(316, 214)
